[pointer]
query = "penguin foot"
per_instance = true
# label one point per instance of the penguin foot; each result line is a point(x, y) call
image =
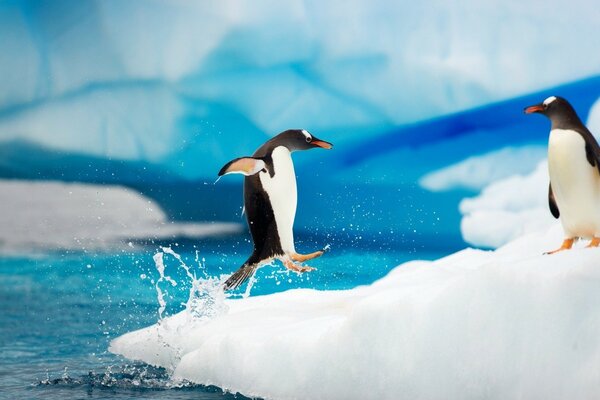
point(595, 242)
point(566, 245)
point(289, 264)
point(305, 257)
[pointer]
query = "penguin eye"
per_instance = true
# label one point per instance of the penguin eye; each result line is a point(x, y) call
point(308, 139)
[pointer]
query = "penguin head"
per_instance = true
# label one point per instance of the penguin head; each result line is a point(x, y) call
point(299, 139)
point(554, 107)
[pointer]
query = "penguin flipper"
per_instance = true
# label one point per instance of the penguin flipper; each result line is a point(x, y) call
point(240, 276)
point(592, 152)
point(589, 154)
point(244, 165)
point(552, 203)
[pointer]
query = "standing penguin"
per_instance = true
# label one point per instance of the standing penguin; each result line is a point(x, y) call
point(270, 198)
point(574, 169)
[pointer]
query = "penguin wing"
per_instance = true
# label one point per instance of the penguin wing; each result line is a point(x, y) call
point(552, 203)
point(592, 149)
point(244, 165)
point(592, 153)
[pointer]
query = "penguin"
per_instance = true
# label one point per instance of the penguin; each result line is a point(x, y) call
point(574, 169)
point(270, 199)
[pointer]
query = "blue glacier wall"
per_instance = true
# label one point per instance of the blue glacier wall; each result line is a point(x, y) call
point(158, 95)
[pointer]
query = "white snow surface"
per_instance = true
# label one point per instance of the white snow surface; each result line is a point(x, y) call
point(55, 215)
point(507, 209)
point(477, 172)
point(504, 324)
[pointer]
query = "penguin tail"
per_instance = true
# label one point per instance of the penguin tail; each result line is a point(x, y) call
point(240, 276)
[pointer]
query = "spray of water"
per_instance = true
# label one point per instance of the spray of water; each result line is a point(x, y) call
point(160, 266)
point(206, 298)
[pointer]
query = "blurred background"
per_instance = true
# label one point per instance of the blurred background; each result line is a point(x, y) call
point(116, 115)
point(148, 99)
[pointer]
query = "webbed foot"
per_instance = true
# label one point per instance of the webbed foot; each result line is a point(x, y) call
point(292, 266)
point(566, 245)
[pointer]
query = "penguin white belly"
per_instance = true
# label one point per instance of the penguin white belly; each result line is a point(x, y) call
point(283, 195)
point(575, 184)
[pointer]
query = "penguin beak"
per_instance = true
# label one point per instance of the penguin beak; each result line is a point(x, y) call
point(321, 143)
point(534, 109)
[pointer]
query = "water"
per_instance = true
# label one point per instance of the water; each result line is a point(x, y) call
point(58, 312)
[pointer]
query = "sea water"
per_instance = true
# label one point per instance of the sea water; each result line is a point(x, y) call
point(59, 311)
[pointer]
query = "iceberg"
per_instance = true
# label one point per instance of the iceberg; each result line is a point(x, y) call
point(478, 172)
point(185, 86)
point(158, 96)
point(507, 209)
point(504, 324)
point(47, 216)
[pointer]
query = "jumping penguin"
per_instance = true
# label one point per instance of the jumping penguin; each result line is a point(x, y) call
point(270, 198)
point(574, 169)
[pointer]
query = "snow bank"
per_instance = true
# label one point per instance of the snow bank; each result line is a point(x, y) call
point(479, 171)
point(53, 215)
point(507, 324)
point(507, 209)
point(514, 194)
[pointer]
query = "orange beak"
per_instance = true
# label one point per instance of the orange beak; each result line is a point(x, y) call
point(534, 109)
point(323, 144)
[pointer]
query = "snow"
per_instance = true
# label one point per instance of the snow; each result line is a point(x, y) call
point(53, 215)
point(477, 172)
point(513, 194)
point(504, 324)
point(196, 82)
point(507, 209)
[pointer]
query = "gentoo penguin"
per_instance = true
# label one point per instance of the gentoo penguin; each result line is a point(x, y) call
point(270, 199)
point(574, 169)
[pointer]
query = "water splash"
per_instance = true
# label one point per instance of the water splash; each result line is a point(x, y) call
point(160, 266)
point(251, 282)
point(206, 298)
point(132, 376)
